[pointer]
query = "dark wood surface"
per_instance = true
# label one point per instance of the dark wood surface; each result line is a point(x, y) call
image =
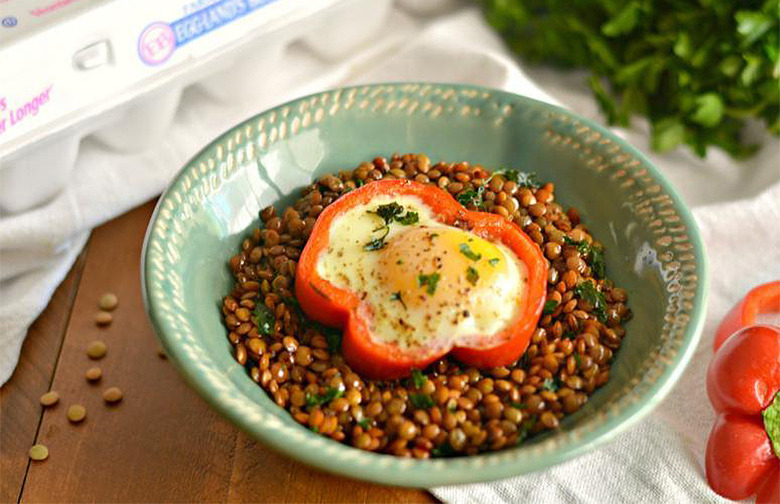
point(161, 443)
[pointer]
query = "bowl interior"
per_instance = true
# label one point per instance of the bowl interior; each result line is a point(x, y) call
point(652, 250)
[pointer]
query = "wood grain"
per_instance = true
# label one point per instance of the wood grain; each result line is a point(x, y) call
point(162, 443)
point(20, 411)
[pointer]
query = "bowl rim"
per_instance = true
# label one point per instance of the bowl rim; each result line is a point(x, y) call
point(435, 472)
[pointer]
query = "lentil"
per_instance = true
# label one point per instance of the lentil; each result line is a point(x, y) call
point(108, 301)
point(77, 413)
point(103, 318)
point(38, 452)
point(96, 350)
point(112, 395)
point(472, 410)
point(50, 398)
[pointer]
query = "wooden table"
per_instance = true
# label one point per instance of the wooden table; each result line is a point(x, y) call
point(162, 443)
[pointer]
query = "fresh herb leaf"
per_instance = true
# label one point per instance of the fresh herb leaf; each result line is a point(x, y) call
point(388, 212)
point(399, 261)
point(594, 255)
point(588, 292)
point(378, 242)
point(466, 251)
point(364, 424)
point(472, 275)
point(494, 261)
point(334, 339)
point(408, 218)
point(264, 319)
point(430, 281)
point(421, 401)
point(569, 335)
point(578, 360)
point(522, 179)
point(443, 450)
point(519, 405)
point(313, 400)
point(472, 197)
point(314, 428)
point(418, 378)
point(525, 428)
point(698, 71)
point(549, 306)
point(551, 384)
point(396, 296)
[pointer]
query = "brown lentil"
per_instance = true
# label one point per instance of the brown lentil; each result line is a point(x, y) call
point(112, 395)
point(103, 318)
point(76, 413)
point(93, 374)
point(96, 350)
point(50, 398)
point(474, 410)
point(108, 301)
point(38, 452)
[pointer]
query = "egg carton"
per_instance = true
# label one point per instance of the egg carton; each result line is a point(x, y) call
point(114, 70)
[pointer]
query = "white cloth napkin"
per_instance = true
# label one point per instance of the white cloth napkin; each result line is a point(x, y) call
point(736, 204)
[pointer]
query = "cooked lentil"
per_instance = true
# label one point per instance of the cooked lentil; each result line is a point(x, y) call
point(450, 409)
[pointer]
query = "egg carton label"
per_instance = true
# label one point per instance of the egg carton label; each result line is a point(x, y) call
point(158, 41)
point(15, 112)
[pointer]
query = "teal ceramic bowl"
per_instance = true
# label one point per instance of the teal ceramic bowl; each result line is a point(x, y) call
point(653, 250)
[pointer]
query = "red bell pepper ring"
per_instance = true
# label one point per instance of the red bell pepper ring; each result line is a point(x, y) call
point(336, 307)
point(743, 380)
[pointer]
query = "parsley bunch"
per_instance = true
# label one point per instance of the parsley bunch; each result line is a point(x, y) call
point(699, 70)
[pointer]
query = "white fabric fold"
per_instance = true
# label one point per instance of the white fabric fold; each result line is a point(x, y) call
point(659, 460)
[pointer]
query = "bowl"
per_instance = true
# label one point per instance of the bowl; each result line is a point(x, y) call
point(653, 249)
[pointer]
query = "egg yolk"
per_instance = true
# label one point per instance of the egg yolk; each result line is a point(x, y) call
point(436, 266)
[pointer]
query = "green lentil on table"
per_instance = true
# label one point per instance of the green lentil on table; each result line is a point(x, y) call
point(38, 452)
point(473, 410)
point(50, 398)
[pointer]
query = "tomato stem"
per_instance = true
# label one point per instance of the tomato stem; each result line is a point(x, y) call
point(771, 416)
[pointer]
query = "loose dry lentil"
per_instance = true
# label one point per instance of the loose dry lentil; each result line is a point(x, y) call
point(112, 395)
point(108, 301)
point(77, 413)
point(103, 318)
point(93, 374)
point(451, 409)
point(50, 398)
point(96, 350)
point(38, 452)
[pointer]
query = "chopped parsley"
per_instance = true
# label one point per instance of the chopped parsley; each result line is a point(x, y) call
point(552, 384)
point(364, 424)
point(569, 335)
point(389, 213)
point(520, 178)
point(264, 319)
point(313, 400)
point(418, 378)
point(466, 251)
point(396, 296)
point(494, 261)
point(578, 360)
point(595, 256)
point(334, 339)
point(472, 275)
point(399, 261)
point(525, 429)
point(421, 401)
point(443, 450)
point(588, 292)
point(519, 405)
point(549, 306)
point(430, 281)
point(476, 197)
